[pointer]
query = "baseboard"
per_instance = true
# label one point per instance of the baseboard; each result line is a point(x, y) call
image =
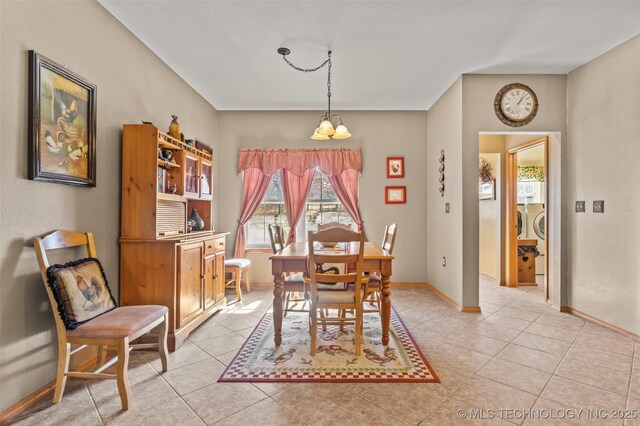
point(19, 407)
point(570, 310)
point(410, 284)
point(450, 301)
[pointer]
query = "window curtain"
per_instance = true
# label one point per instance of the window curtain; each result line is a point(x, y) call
point(295, 190)
point(254, 187)
point(332, 161)
point(341, 166)
point(345, 186)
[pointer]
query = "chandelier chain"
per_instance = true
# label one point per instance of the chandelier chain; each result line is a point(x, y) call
point(327, 62)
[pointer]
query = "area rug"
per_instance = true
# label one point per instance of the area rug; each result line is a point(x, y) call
point(335, 361)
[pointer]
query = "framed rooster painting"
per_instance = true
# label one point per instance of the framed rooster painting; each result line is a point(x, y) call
point(62, 124)
point(395, 167)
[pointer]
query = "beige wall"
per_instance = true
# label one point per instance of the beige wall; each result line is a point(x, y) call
point(603, 155)
point(445, 229)
point(478, 93)
point(489, 250)
point(133, 85)
point(497, 144)
point(379, 134)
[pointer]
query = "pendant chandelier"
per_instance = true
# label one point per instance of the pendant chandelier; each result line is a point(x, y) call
point(325, 128)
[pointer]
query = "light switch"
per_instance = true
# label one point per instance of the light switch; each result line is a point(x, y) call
point(447, 207)
point(580, 206)
point(598, 206)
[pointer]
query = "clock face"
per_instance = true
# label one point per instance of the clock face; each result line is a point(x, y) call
point(516, 104)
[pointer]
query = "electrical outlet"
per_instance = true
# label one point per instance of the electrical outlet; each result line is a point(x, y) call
point(598, 206)
point(447, 207)
point(580, 206)
point(444, 261)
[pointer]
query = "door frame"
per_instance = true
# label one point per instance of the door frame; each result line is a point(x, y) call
point(512, 212)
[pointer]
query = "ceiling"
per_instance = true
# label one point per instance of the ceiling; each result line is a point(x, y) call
point(387, 55)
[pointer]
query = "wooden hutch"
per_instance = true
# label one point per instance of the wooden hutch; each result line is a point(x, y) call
point(163, 262)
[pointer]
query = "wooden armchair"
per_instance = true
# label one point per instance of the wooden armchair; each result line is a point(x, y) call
point(372, 289)
point(294, 284)
point(323, 299)
point(114, 329)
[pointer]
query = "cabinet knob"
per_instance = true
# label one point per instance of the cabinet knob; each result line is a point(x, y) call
point(221, 244)
point(209, 247)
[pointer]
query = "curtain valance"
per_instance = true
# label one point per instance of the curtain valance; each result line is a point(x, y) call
point(332, 161)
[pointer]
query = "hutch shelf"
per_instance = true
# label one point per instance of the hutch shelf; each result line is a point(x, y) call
point(162, 261)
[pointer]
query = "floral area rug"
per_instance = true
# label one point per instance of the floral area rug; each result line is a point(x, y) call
point(335, 361)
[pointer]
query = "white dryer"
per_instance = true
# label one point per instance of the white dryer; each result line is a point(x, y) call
point(535, 228)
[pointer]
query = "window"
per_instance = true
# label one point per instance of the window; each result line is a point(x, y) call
point(322, 206)
point(270, 211)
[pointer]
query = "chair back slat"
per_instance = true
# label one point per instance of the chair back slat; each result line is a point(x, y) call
point(335, 258)
point(389, 239)
point(334, 278)
point(329, 225)
point(276, 235)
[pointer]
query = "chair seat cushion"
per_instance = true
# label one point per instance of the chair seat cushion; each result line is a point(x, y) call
point(120, 322)
point(239, 263)
point(81, 291)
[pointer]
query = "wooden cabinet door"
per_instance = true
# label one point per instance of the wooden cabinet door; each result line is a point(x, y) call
point(190, 301)
point(218, 285)
point(209, 280)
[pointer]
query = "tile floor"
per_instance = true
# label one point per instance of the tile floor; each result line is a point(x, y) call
point(518, 354)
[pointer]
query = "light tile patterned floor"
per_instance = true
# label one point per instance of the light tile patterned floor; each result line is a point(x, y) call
point(517, 354)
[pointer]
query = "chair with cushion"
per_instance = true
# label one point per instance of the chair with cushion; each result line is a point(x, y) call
point(236, 269)
point(86, 314)
point(374, 285)
point(351, 284)
point(294, 284)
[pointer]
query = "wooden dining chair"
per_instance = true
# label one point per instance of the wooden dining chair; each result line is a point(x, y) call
point(294, 284)
point(374, 286)
point(115, 328)
point(324, 299)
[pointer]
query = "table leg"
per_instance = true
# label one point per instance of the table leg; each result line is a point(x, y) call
point(385, 311)
point(277, 308)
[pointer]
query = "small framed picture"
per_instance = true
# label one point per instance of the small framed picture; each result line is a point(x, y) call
point(487, 191)
point(395, 194)
point(395, 167)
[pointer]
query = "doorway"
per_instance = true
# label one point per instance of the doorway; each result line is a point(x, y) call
point(501, 228)
point(527, 203)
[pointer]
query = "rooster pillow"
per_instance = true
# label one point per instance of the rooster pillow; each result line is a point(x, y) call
point(81, 290)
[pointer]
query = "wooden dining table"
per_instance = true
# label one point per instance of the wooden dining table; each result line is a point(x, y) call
point(293, 258)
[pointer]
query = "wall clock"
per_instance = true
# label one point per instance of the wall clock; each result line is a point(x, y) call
point(516, 104)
